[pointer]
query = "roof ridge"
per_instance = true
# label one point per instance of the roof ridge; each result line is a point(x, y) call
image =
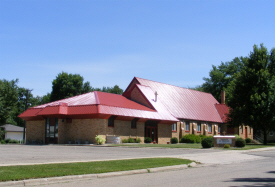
point(173, 85)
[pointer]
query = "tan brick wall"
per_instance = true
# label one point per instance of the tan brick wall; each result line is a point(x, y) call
point(124, 131)
point(82, 130)
point(138, 97)
point(177, 134)
point(35, 130)
point(242, 135)
point(164, 133)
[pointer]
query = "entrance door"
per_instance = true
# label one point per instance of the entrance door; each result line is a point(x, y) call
point(245, 131)
point(151, 130)
point(51, 131)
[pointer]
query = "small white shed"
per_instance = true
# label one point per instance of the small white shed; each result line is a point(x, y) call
point(13, 132)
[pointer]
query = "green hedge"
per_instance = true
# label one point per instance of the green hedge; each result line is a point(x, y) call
point(190, 138)
point(207, 142)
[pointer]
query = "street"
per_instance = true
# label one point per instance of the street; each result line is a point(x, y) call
point(259, 172)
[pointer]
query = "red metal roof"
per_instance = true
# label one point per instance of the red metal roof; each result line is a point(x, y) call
point(183, 103)
point(223, 110)
point(95, 103)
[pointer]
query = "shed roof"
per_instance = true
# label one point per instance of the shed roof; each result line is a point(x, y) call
point(12, 128)
point(181, 102)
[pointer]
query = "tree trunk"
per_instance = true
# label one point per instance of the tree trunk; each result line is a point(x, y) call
point(265, 137)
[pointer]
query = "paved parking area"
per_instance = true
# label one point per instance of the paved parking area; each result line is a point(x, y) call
point(30, 154)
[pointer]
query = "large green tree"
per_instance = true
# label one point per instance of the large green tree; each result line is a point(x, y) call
point(8, 101)
point(67, 85)
point(220, 77)
point(252, 92)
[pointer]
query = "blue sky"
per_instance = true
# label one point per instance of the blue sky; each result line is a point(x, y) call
point(109, 42)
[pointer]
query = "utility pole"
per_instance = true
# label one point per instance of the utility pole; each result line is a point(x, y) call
point(26, 107)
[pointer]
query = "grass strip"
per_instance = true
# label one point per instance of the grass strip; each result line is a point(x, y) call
point(185, 145)
point(11, 173)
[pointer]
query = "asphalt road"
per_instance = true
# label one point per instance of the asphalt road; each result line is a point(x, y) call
point(258, 172)
point(28, 154)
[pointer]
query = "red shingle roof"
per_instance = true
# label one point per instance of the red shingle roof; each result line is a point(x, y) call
point(223, 110)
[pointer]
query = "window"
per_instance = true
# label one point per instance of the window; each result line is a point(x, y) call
point(111, 121)
point(134, 123)
point(219, 128)
point(198, 126)
point(209, 128)
point(242, 129)
point(174, 127)
point(187, 126)
point(47, 127)
point(56, 127)
point(249, 130)
point(271, 133)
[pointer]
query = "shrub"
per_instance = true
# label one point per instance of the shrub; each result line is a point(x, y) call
point(147, 140)
point(99, 140)
point(14, 141)
point(174, 140)
point(124, 140)
point(2, 142)
point(226, 146)
point(190, 138)
point(138, 140)
point(248, 140)
point(202, 136)
point(207, 142)
point(240, 142)
point(237, 136)
point(131, 140)
point(7, 140)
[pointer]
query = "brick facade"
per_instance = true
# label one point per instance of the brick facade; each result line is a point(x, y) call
point(35, 131)
point(164, 133)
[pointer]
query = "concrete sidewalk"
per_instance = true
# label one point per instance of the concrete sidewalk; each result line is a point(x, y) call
point(205, 159)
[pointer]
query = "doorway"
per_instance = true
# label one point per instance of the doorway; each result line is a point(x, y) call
point(151, 130)
point(51, 131)
point(245, 132)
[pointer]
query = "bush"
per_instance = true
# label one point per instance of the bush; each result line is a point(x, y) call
point(2, 142)
point(207, 142)
point(14, 141)
point(138, 140)
point(174, 140)
point(248, 140)
point(99, 140)
point(7, 140)
point(202, 136)
point(240, 142)
point(124, 141)
point(237, 136)
point(190, 138)
point(226, 146)
point(131, 140)
point(147, 140)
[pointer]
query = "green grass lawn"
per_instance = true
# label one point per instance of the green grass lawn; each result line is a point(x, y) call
point(185, 145)
point(8, 173)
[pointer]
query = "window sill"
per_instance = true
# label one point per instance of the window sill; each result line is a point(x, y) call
point(209, 132)
point(198, 131)
point(187, 131)
point(111, 126)
point(174, 131)
point(219, 133)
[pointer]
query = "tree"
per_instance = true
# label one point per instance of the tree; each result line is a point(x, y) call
point(2, 133)
point(221, 76)
point(67, 85)
point(8, 100)
point(252, 92)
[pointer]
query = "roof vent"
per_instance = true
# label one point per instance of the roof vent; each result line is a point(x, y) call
point(156, 96)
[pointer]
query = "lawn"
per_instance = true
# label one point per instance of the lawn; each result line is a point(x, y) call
point(8, 173)
point(182, 145)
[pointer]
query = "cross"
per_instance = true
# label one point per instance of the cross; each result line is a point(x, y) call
point(156, 94)
point(224, 133)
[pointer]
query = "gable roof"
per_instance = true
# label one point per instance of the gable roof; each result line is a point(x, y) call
point(223, 110)
point(12, 128)
point(182, 103)
point(94, 104)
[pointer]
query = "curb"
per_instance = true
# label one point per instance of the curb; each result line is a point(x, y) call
point(52, 180)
